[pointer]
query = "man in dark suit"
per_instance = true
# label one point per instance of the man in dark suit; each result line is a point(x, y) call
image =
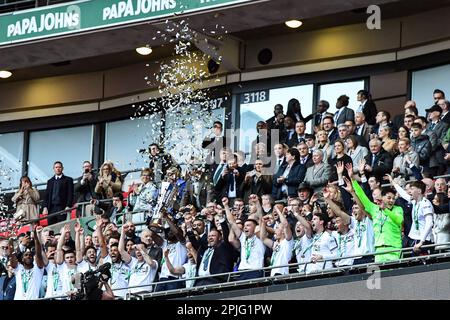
point(299, 135)
point(256, 182)
point(331, 130)
point(195, 231)
point(160, 162)
point(343, 113)
point(85, 187)
point(367, 106)
point(288, 132)
point(196, 189)
point(216, 174)
point(383, 119)
point(320, 114)
point(230, 180)
point(58, 195)
point(378, 162)
point(305, 157)
point(445, 106)
point(217, 256)
point(436, 129)
point(289, 176)
point(215, 143)
point(276, 122)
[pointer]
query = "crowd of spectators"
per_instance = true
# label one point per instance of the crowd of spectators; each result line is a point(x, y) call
point(354, 190)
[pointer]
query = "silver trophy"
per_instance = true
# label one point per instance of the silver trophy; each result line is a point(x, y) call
point(166, 199)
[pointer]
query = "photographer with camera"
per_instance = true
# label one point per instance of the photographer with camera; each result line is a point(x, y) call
point(90, 284)
point(85, 187)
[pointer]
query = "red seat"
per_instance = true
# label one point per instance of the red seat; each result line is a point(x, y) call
point(73, 214)
point(43, 222)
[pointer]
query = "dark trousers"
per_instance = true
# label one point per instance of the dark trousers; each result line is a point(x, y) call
point(253, 274)
point(423, 252)
point(169, 286)
point(364, 260)
point(56, 218)
point(206, 281)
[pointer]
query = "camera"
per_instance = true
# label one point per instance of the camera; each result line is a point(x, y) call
point(86, 170)
point(88, 283)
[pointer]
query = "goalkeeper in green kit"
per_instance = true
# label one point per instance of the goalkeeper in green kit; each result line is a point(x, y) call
point(387, 222)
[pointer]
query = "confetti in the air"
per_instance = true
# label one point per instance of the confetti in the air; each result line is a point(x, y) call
point(184, 109)
point(8, 226)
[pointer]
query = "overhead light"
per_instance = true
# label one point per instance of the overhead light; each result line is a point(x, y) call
point(4, 74)
point(293, 23)
point(145, 51)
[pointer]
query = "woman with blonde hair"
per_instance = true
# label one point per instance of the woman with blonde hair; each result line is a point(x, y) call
point(108, 182)
point(324, 144)
point(26, 199)
point(388, 144)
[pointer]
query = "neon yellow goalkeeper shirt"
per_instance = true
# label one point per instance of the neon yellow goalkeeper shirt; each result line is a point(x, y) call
point(387, 224)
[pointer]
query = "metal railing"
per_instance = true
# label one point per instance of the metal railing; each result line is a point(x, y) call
point(336, 270)
point(76, 180)
point(407, 181)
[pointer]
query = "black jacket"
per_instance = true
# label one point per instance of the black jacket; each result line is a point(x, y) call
point(295, 140)
point(370, 112)
point(446, 118)
point(333, 136)
point(7, 287)
point(262, 185)
point(221, 189)
point(65, 193)
point(383, 164)
point(85, 192)
point(422, 146)
point(222, 260)
point(295, 177)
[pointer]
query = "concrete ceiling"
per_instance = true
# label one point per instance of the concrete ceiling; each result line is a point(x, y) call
point(260, 18)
